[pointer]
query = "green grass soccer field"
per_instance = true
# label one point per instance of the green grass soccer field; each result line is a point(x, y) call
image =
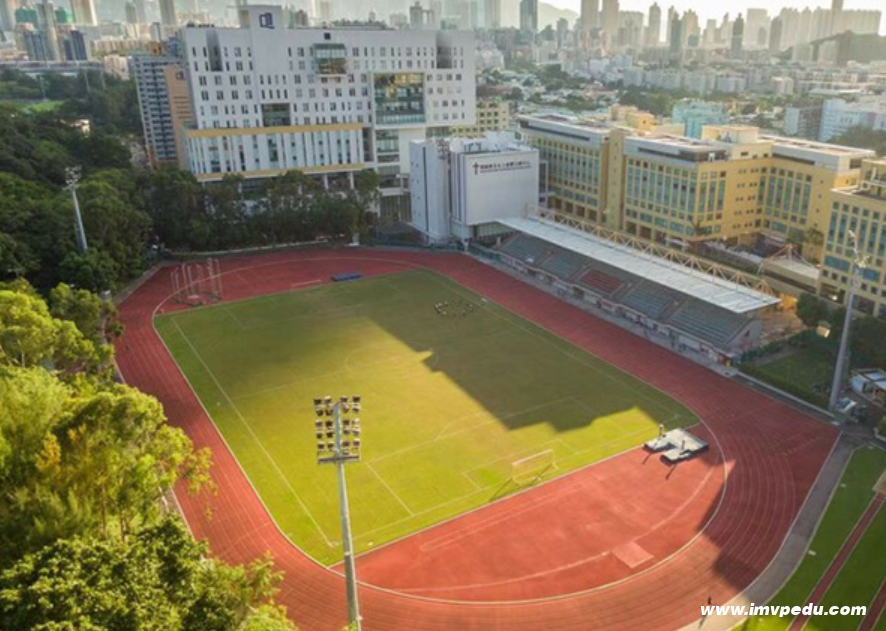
point(452, 396)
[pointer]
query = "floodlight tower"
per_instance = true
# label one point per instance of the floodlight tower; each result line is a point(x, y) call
point(338, 443)
point(858, 264)
point(72, 178)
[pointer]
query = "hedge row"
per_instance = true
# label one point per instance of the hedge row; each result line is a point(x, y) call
point(781, 383)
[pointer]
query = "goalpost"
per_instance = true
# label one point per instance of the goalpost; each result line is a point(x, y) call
point(529, 469)
point(197, 282)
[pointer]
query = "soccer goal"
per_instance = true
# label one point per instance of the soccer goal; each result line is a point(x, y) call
point(198, 282)
point(529, 469)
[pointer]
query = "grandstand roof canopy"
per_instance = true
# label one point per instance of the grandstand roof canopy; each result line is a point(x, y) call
point(716, 291)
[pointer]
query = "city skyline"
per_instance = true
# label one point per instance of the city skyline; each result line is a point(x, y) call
point(733, 7)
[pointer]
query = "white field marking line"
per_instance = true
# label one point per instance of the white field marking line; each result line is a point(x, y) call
point(483, 489)
point(390, 490)
point(336, 373)
point(342, 312)
point(234, 317)
point(607, 374)
point(338, 312)
point(516, 455)
point(420, 268)
point(313, 281)
point(575, 452)
point(471, 480)
point(532, 408)
point(672, 515)
point(252, 433)
point(296, 382)
point(415, 267)
point(463, 430)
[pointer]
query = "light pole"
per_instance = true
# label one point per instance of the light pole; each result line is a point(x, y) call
point(338, 443)
point(858, 264)
point(72, 178)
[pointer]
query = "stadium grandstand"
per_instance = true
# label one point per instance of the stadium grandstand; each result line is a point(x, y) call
point(690, 308)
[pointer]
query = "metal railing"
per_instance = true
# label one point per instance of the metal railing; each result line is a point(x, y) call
point(644, 246)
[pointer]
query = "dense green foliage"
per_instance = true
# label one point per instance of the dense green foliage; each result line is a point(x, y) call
point(774, 375)
point(658, 102)
point(109, 103)
point(82, 454)
point(863, 138)
point(127, 211)
point(84, 465)
point(291, 208)
point(868, 334)
point(158, 580)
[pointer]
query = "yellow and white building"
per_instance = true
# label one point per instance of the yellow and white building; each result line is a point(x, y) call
point(858, 210)
point(731, 185)
point(493, 115)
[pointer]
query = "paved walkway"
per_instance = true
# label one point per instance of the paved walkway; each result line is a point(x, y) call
point(795, 546)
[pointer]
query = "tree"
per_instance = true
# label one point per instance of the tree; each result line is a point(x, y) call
point(863, 138)
point(813, 240)
point(160, 580)
point(869, 340)
point(174, 201)
point(228, 210)
point(95, 318)
point(93, 269)
point(87, 454)
point(30, 336)
point(811, 309)
point(366, 197)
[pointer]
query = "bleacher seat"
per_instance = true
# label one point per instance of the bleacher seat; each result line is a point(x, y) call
point(651, 299)
point(707, 322)
point(601, 282)
point(564, 264)
point(526, 248)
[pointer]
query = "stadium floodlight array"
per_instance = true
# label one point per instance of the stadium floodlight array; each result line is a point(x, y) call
point(338, 443)
point(338, 433)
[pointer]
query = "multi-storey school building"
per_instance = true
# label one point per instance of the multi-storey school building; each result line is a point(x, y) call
point(732, 184)
point(267, 99)
point(858, 216)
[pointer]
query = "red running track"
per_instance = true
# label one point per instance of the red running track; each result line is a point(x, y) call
point(590, 528)
point(876, 611)
point(773, 454)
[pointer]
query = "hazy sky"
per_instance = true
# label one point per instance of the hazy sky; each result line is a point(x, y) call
point(708, 9)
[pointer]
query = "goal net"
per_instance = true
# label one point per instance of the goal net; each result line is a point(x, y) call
point(197, 282)
point(529, 469)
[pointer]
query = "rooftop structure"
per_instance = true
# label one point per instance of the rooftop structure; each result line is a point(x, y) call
point(719, 292)
point(326, 101)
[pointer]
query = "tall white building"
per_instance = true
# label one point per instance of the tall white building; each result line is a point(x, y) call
point(168, 13)
point(7, 15)
point(267, 99)
point(452, 180)
point(84, 12)
point(839, 116)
